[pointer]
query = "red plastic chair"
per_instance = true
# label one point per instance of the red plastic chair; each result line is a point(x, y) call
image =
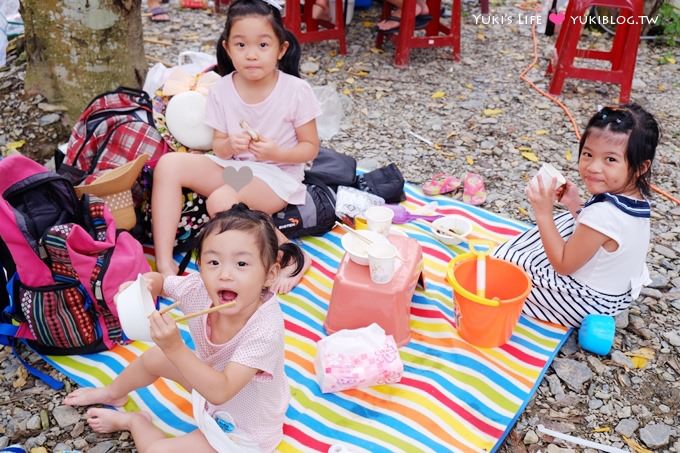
point(436, 33)
point(622, 54)
point(294, 19)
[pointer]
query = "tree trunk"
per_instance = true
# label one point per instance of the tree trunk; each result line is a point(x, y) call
point(79, 48)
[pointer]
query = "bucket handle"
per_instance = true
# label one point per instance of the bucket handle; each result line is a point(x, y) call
point(457, 287)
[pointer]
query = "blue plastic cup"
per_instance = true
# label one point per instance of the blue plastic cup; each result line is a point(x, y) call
point(596, 334)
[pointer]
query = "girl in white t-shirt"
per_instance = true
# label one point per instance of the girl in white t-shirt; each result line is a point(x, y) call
point(592, 258)
point(239, 390)
point(264, 117)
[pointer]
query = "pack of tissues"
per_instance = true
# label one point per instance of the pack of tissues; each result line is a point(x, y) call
point(357, 358)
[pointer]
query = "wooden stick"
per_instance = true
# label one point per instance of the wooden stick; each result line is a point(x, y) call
point(157, 41)
point(362, 237)
point(168, 308)
point(207, 311)
point(354, 232)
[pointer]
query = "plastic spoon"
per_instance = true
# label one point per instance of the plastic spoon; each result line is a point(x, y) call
point(401, 214)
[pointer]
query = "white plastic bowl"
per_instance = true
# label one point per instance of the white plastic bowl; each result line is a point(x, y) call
point(443, 226)
point(134, 305)
point(358, 249)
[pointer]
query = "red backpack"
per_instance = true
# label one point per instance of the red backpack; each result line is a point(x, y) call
point(115, 128)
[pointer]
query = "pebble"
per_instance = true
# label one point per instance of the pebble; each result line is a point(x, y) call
point(655, 435)
point(65, 416)
point(572, 372)
point(530, 437)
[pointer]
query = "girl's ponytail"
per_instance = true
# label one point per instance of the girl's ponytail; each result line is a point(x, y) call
point(290, 63)
point(291, 251)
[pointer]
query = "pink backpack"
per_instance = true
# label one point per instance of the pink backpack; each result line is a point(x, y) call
point(64, 260)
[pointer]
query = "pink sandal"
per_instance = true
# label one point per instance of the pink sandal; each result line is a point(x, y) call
point(440, 184)
point(474, 192)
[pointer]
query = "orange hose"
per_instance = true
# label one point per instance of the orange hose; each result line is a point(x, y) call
point(566, 109)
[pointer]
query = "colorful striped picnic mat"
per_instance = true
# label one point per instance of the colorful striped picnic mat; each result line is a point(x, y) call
point(453, 396)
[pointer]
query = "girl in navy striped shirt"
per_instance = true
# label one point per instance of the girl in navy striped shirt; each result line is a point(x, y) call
point(592, 258)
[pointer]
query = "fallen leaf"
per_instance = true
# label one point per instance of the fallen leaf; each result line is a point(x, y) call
point(637, 448)
point(662, 87)
point(603, 429)
point(469, 86)
point(437, 146)
point(346, 91)
point(333, 70)
point(375, 49)
point(368, 24)
point(16, 145)
point(378, 94)
point(523, 211)
point(524, 148)
point(349, 80)
point(361, 73)
point(469, 160)
point(359, 90)
point(645, 353)
point(438, 94)
point(639, 362)
point(541, 132)
point(528, 155)
point(451, 134)
point(567, 155)
point(481, 36)
point(20, 381)
point(339, 64)
point(492, 112)
point(333, 53)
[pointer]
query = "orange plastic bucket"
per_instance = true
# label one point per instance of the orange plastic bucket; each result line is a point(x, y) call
point(487, 321)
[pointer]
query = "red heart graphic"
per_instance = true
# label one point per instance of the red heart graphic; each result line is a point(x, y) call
point(555, 18)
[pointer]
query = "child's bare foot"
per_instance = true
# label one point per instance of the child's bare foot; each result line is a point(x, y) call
point(167, 268)
point(320, 11)
point(285, 282)
point(90, 396)
point(103, 420)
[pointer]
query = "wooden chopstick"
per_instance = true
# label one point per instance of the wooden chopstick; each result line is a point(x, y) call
point(168, 308)
point(362, 237)
point(205, 312)
point(354, 232)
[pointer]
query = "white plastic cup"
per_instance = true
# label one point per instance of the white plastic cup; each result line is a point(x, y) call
point(547, 173)
point(379, 219)
point(382, 260)
point(135, 304)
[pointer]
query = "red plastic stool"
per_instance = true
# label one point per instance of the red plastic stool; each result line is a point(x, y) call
point(294, 19)
point(358, 302)
point(404, 40)
point(622, 55)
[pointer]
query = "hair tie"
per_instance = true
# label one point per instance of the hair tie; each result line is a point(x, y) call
point(274, 4)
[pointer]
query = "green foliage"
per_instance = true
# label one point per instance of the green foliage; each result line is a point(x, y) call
point(669, 21)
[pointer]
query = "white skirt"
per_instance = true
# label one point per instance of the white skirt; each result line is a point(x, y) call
point(283, 184)
point(557, 298)
point(233, 441)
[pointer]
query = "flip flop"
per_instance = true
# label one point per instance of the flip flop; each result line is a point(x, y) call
point(421, 22)
point(157, 12)
point(474, 192)
point(441, 184)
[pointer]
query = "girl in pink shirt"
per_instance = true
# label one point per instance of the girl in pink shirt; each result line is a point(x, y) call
point(264, 118)
point(239, 389)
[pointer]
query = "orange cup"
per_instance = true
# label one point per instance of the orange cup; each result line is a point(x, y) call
point(487, 321)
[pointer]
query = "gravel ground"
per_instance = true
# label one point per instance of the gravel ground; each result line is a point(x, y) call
point(481, 117)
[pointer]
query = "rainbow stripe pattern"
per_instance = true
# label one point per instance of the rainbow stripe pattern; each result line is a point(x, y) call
point(453, 397)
